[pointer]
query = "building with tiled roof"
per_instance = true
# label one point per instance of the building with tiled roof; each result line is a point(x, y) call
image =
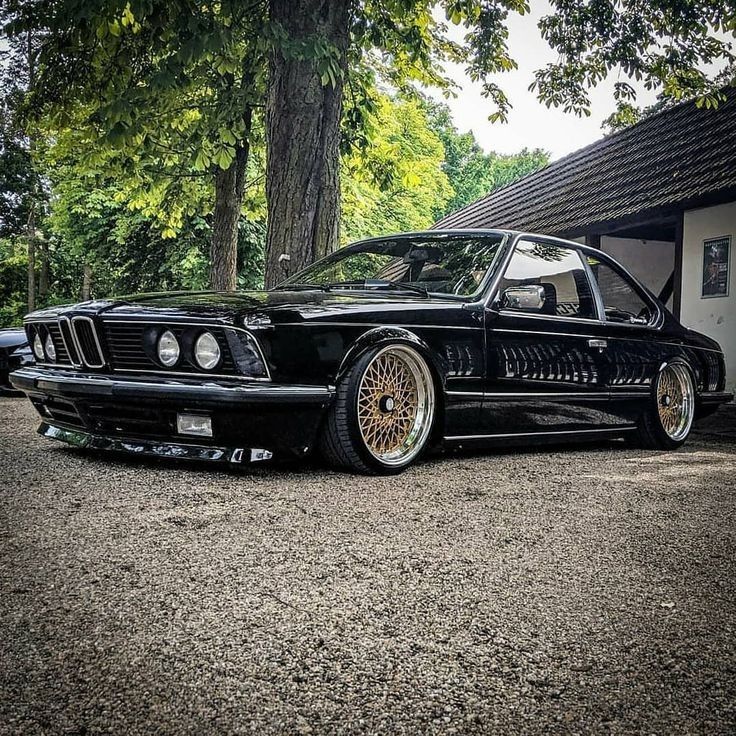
point(660, 196)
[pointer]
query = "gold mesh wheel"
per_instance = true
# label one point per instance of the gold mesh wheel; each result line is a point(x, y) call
point(675, 401)
point(395, 404)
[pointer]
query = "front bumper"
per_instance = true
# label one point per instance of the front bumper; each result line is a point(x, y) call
point(251, 420)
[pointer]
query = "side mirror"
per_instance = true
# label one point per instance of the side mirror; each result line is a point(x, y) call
point(528, 298)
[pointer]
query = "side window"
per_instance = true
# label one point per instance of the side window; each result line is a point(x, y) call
point(542, 278)
point(621, 298)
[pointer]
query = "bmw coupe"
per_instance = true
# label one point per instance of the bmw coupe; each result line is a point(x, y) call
point(377, 353)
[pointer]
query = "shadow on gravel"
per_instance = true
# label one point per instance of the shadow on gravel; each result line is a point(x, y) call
point(308, 466)
point(262, 469)
point(719, 428)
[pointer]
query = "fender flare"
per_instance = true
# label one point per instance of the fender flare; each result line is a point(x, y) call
point(385, 335)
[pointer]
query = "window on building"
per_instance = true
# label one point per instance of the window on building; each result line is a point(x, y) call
point(559, 270)
point(621, 298)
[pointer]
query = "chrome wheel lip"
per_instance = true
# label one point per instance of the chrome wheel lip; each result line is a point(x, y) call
point(675, 397)
point(425, 406)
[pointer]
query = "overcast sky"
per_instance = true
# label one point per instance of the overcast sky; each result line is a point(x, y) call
point(530, 124)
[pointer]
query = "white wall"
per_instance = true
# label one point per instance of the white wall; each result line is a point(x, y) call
point(651, 261)
point(716, 316)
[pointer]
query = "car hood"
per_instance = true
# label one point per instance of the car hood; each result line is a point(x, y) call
point(274, 306)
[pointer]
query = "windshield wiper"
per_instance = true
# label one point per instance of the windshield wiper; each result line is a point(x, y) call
point(305, 286)
point(380, 284)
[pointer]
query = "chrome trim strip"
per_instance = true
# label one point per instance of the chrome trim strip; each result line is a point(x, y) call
point(38, 364)
point(595, 289)
point(173, 320)
point(85, 358)
point(549, 395)
point(613, 394)
point(554, 317)
point(633, 338)
point(174, 374)
point(609, 430)
point(68, 323)
point(34, 320)
point(106, 382)
point(487, 298)
point(371, 325)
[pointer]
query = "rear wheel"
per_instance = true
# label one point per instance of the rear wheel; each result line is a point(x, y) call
point(669, 418)
point(383, 412)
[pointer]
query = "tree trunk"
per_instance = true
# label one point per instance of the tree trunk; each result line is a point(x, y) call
point(229, 189)
point(43, 276)
point(31, 224)
point(31, 267)
point(303, 133)
point(86, 283)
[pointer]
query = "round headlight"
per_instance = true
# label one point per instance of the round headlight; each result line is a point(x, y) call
point(168, 349)
point(38, 347)
point(207, 351)
point(50, 349)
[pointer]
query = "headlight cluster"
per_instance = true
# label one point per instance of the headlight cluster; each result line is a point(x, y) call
point(206, 352)
point(168, 349)
point(43, 346)
point(38, 347)
point(218, 350)
point(49, 349)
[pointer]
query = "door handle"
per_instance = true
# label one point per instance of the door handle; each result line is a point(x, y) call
point(597, 343)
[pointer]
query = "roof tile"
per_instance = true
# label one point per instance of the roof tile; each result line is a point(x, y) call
point(678, 156)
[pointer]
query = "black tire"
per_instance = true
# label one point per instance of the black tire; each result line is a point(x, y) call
point(652, 433)
point(342, 441)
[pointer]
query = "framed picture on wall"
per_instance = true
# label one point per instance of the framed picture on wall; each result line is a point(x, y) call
point(716, 261)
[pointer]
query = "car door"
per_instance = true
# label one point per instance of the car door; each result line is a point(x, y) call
point(635, 349)
point(544, 343)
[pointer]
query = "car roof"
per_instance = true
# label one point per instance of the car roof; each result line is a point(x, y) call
point(481, 231)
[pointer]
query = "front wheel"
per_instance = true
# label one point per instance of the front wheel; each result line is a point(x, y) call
point(383, 412)
point(669, 418)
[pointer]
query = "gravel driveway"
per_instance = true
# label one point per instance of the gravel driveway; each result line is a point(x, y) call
point(587, 589)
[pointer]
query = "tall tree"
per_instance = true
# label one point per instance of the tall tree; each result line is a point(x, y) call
point(23, 197)
point(664, 43)
point(171, 86)
point(395, 182)
point(307, 68)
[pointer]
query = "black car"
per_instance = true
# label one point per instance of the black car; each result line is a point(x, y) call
point(15, 352)
point(376, 353)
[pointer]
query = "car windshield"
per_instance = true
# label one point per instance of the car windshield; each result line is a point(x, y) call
point(438, 264)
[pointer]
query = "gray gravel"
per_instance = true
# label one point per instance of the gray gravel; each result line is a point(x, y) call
point(587, 589)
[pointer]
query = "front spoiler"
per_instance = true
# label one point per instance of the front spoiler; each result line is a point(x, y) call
point(154, 448)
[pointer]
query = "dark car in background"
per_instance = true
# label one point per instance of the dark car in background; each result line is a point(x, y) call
point(376, 353)
point(15, 352)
